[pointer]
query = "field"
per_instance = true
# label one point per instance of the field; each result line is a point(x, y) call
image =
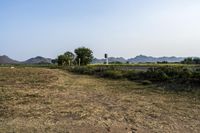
point(143, 66)
point(52, 100)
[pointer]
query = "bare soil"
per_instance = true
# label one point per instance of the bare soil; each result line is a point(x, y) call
point(44, 100)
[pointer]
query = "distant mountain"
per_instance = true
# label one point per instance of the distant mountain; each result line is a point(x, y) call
point(98, 61)
point(111, 59)
point(118, 59)
point(140, 59)
point(38, 60)
point(143, 59)
point(6, 60)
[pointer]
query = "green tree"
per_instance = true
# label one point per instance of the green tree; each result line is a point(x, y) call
point(69, 57)
point(61, 60)
point(187, 61)
point(54, 61)
point(66, 59)
point(191, 61)
point(196, 60)
point(83, 55)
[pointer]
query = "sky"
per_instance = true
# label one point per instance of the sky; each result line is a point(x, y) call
point(121, 28)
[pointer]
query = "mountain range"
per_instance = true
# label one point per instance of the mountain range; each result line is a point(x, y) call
point(36, 60)
point(138, 59)
point(143, 58)
point(6, 60)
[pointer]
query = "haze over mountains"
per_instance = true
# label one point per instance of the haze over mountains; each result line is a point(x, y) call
point(141, 59)
point(138, 59)
point(36, 60)
point(6, 60)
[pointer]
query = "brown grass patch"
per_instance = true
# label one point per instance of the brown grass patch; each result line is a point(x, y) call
point(43, 100)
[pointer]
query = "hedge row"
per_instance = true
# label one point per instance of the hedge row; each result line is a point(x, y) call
point(158, 74)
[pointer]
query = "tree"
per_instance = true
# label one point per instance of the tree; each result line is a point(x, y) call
point(54, 61)
point(61, 60)
point(196, 60)
point(69, 57)
point(191, 61)
point(188, 61)
point(83, 55)
point(66, 59)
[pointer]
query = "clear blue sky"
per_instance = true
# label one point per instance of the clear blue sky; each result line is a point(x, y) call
point(118, 27)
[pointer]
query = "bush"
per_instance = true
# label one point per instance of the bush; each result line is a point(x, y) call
point(82, 70)
point(171, 72)
point(196, 77)
point(185, 74)
point(135, 75)
point(131, 75)
point(113, 74)
point(156, 75)
point(146, 82)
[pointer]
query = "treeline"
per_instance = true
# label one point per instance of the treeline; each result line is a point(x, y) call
point(81, 56)
point(167, 74)
point(191, 61)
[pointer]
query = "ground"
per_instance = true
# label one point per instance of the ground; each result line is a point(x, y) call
point(49, 100)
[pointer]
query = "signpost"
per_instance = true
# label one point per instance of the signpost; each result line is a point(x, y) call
point(106, 57)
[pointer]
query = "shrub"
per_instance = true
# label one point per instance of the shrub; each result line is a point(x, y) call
point(156, 75)
point(196, 77)
point(82, 70)
point(171, 72)
point(114, 74)
point(185, 74)
point(146, 82)
point(135, 75)
point(131, 75)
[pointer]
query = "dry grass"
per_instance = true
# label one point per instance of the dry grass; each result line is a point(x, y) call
point(43, 100)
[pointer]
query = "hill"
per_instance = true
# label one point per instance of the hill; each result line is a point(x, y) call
point(140, 58)
point(6, 60)
point(38, 60)
point(143, 59)
point(111, 59)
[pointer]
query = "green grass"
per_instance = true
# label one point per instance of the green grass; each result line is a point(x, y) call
point(146, 65)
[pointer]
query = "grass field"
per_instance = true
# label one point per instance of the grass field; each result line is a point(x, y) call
point(143, 66)
point(51, 100)
point(147, 65)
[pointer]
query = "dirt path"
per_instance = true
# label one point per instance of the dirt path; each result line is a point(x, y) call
point(64, 102)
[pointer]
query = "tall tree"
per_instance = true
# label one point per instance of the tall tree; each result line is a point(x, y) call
point(191, 61)
point(83, 55)
point(66, 59)
point(54, 61)
point(61, 60)
point(69, 57)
